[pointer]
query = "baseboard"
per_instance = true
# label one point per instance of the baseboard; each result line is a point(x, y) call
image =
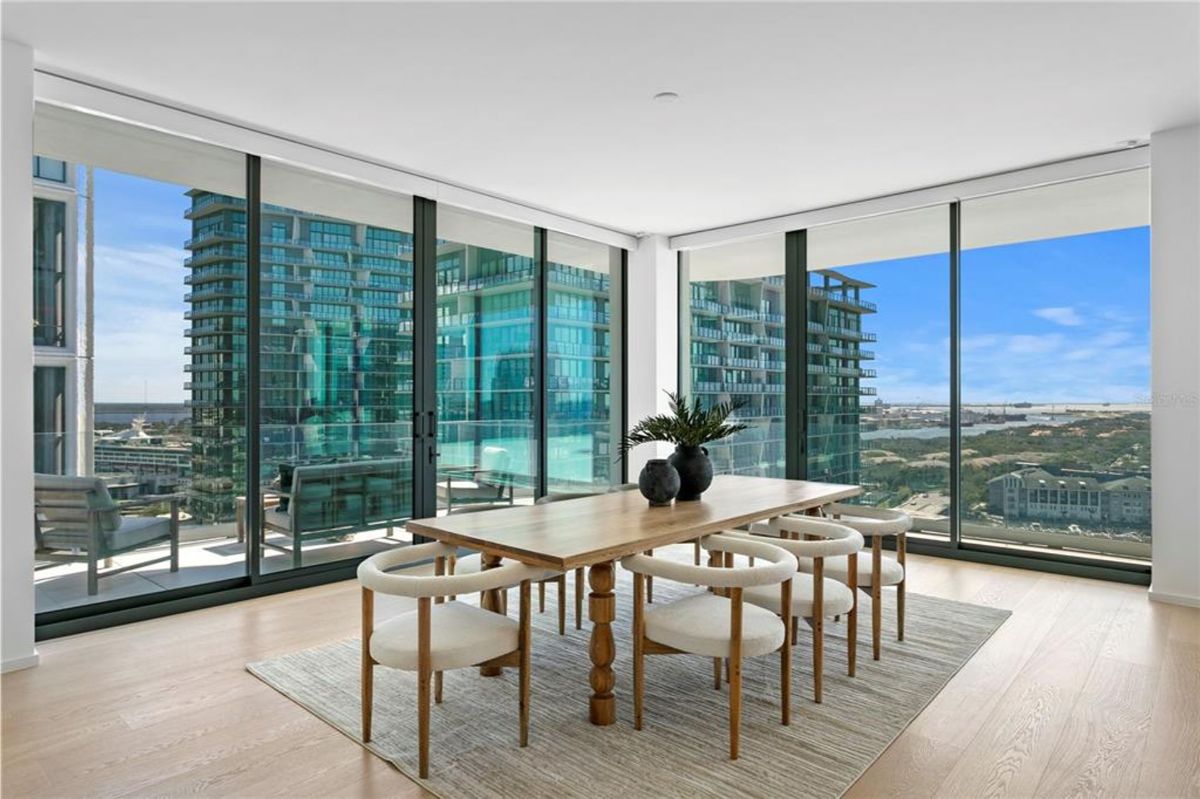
point(14, 664)
point(1174, 599)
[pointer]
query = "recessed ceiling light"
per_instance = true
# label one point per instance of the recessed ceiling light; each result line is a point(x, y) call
point(666, 97)
point(1129, 143)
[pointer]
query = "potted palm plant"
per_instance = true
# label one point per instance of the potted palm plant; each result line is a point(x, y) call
point(689, 427)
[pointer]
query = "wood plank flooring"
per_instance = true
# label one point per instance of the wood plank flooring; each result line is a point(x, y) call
point(1088, 690)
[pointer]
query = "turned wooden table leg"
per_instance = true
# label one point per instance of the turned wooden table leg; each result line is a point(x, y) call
point(493, 601)
point(602, 609)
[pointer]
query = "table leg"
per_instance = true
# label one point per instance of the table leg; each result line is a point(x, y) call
point(493, 601)
point(602, 609)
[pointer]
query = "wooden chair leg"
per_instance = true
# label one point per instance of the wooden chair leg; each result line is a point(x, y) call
point(852, 616)
point(368, 665)
point(639, 649)
point(876, 595)
point(717, 674)
point(735, 672)
point(785, 655)
point(818, 627)
point(525, 644)
point(579, 598)
point(423, 674)
point(439, 569)
point(542, 597)
point(649, 581)
point(562, 604)
point(696, 552)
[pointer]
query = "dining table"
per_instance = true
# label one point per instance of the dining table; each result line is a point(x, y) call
point(597, 531)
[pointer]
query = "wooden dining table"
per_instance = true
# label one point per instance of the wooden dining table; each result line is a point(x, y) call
point(596, 531)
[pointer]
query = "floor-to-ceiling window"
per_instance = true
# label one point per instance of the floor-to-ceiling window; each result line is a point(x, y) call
point(138, 296)
point(335, 368)
point(878, 361)
point(583, 364)
point(486, 361)
point(1056, 368)
point(732, 335)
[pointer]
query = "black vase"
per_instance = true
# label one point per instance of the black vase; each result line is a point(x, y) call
point(695, 471)
point(658, 482)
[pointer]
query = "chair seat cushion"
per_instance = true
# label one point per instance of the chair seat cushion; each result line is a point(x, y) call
point(700, 624)
point(838, 569)
point(468, 489)
point(459, 636)
point(136, 531)
point(837, 598)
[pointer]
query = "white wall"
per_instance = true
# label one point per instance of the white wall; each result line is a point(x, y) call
point(653, 319)
point(16, 357)
point(1175, 319)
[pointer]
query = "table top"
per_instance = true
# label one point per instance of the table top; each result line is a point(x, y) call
point(579, 532)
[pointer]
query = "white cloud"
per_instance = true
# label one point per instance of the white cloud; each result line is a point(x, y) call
point(1064, 315)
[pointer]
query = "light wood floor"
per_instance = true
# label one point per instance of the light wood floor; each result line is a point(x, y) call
point(1088, 690)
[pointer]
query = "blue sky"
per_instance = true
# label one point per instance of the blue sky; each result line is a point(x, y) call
point(140, 231)
point(1057, 320)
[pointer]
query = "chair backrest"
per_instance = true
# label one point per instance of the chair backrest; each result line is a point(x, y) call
point(375, 573)
point(66, 507)
point(351, 495)
point(832, 539)
point(773, 565)
point(869, 520)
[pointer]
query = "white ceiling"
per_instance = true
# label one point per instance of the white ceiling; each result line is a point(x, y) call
point(784, 106)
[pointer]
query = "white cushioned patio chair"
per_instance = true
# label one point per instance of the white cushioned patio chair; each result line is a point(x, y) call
point(815, 596)
point(881, 570)
point(719, 625)
point(441, 635)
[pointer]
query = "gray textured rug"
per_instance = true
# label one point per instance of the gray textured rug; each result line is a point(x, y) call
point(682, 750)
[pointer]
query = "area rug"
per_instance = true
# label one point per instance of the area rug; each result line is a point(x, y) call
point(682, 751)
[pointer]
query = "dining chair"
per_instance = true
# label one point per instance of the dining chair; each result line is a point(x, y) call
point(814, 596)
point(441, 635)
point(692, 625)
point(474, 563)
point(875, 524)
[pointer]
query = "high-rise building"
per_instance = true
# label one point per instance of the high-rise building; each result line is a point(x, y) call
point(835, 375)
point(737, 355)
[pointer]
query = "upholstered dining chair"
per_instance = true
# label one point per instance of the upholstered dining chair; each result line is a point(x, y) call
point(694, 625)
point(474, 563)
point(441, 635)
point(875, 524)
point(814, 596)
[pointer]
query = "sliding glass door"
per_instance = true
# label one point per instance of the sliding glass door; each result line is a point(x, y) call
point(487, 365)
point(335, 355)
point(1056, 368)
point(139, 363)
point(878, 361)
point(732, 313)
point(583, 364)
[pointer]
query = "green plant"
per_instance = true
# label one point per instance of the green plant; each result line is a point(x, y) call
point(685, 426)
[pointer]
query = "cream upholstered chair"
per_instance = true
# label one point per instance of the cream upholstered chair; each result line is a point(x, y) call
point(881, 570)
point(474, 563)
point(695, 624)
point(815, 596)
point(440, 635)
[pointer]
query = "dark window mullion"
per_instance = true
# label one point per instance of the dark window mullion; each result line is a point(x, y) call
point(252, 518)
point(795, 396)
point(955, 374)
point(539, 359)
